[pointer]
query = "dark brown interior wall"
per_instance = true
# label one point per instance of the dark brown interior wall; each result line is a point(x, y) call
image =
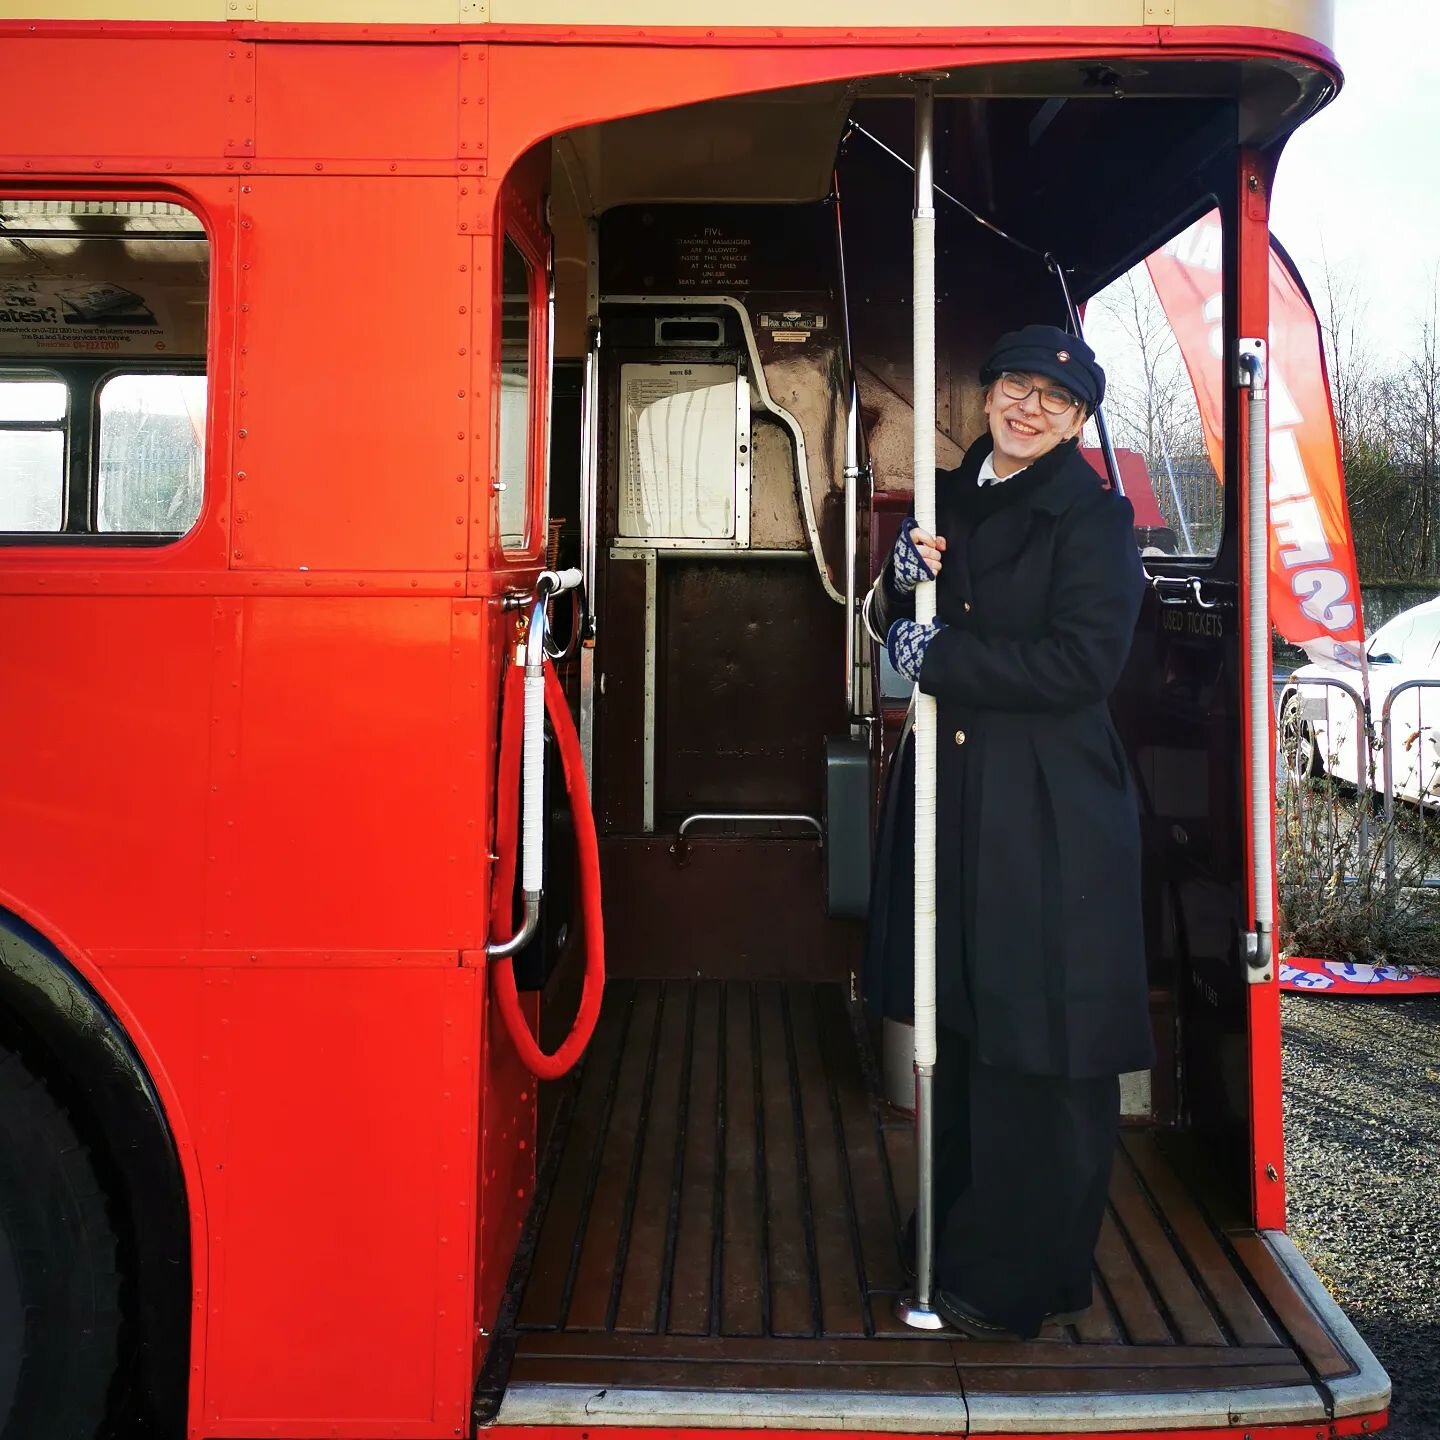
point(984, 286)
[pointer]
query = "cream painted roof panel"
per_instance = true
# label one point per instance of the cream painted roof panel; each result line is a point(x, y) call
point(1312, 18)
point(368, 12)
point(116, 10)
point(297, 12)
point(1315, 18)
point(832, 14)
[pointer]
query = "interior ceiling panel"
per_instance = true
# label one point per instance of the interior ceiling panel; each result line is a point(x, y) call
point(778, 146)
point(781, 145)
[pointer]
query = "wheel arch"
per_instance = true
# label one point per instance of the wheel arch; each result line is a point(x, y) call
point(66, 1032)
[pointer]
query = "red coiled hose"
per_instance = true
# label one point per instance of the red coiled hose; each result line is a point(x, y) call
point(587, 848)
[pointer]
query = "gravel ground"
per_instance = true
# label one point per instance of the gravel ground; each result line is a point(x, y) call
point(1362, 1114)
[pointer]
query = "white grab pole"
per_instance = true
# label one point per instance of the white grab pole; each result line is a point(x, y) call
point(925, 721)
point(1262, 778)
point(532, 812)
point(532, 850)
point(918, 1311)
point(532, 758)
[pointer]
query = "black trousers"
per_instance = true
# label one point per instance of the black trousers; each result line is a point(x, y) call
point(1022, 1172)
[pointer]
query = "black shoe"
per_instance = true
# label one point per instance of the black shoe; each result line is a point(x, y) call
point(1072, 1312)
point(907, 1265)
point(968, 1321)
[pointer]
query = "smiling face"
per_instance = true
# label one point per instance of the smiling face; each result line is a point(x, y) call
point(1024, 429)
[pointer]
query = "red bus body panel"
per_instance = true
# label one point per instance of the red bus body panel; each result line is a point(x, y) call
point(253, 806)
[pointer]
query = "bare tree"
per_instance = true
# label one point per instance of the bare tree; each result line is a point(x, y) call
point(1385, 419)
point(1342, 309)
point(1146, 402)
point(1360, 395)
point(1415, 418)
point(1152, 408)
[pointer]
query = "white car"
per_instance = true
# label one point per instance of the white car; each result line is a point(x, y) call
point(1318, 720)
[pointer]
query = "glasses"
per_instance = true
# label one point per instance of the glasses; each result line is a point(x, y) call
point(1053, 401)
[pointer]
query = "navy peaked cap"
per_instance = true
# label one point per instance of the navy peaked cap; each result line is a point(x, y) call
point(1047, 350)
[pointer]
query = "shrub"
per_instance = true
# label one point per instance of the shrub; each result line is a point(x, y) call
point(1335, 900)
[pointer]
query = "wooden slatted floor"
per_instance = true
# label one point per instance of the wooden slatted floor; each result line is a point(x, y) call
point(722, 1210)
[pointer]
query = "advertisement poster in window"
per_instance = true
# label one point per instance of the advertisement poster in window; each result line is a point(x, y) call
point(61, 315)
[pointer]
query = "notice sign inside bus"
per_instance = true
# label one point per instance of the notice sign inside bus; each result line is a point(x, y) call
point(74, 315)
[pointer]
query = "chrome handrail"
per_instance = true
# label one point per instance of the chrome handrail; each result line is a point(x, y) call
point(1190, 587)
point(532, 764)
point(718, 815)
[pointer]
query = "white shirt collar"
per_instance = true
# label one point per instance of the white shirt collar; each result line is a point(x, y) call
point(987, 475)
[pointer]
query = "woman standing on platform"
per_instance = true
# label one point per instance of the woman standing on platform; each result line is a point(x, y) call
point(1041, 980)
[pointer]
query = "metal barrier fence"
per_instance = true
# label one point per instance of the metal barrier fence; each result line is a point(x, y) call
point(1299, 758)
point(1416, 741)
point(1302, 729)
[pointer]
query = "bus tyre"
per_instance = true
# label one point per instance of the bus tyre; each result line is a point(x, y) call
point(1297, 742)
point(59, 1286)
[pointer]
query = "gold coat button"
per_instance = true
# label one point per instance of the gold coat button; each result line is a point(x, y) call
point(959, 737)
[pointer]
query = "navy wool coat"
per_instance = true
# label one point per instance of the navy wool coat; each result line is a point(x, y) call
point(1040, 947)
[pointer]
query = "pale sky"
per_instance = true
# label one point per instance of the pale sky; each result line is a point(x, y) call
point(1362, 179)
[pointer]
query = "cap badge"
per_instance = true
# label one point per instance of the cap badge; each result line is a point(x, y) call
point(1062, 356)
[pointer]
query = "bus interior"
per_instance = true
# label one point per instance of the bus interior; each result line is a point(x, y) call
point(715, 1234)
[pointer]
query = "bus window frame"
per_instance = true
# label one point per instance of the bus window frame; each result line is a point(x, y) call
point(1215, 199)
point(82, 454)
point(98, 383)
point(522, 228)
point(27, 372)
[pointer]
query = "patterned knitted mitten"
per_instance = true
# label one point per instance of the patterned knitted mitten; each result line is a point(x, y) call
point(907, 643)
point(908, 566)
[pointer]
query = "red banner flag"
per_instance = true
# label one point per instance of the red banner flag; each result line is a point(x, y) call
point(1314, 587)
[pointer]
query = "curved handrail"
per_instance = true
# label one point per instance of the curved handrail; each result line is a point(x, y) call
point(708, 815)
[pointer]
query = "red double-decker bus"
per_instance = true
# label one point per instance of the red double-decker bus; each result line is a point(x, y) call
point(326, 328)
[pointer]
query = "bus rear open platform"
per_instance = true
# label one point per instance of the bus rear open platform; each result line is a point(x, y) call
point(715, 1242)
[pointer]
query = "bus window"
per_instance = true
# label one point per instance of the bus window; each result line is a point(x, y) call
point(103, 337)
point(152, 430)
point(32, 453)
point(513, 450)
point(1158, 381)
